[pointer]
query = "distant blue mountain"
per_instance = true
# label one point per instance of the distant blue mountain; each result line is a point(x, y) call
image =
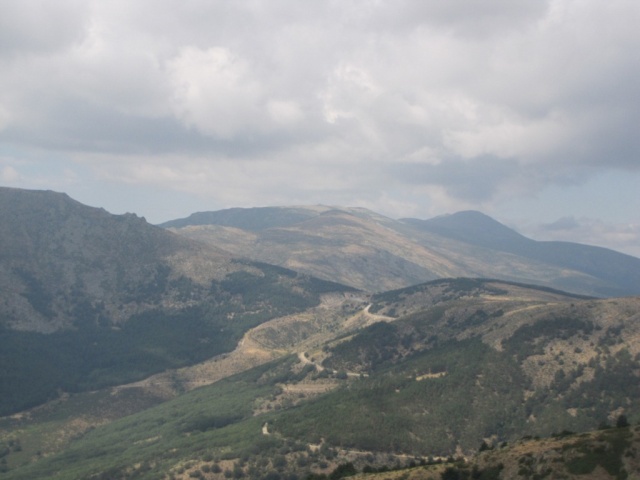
point(478, 229)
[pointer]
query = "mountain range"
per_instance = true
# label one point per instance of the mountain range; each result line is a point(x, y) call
point(371, 252)
point(309, 342)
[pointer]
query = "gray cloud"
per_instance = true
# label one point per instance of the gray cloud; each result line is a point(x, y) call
point(35, 27)
point(562, 224)
point(623, 237)
point(409, 106)
point(475, 181)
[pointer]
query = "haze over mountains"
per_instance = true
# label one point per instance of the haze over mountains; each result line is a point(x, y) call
point(366, 250)
point(284, 342)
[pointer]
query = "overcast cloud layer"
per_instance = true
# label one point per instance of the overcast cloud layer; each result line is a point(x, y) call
point(527, 110)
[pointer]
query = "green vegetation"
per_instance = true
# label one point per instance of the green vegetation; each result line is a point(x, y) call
point(35, 367)
point(216, 422)
point(427, 384)
point(455, 393)
point(370, 348)
point(212, 429)
point(465, 472)
point(466, 362)
point(394, 411)
point(385, 342)
point(451, 288)
point(454, 288)
point(36, 294)
point(395, 348)
point(531, 339)
point(610, 389)
point(607, 452)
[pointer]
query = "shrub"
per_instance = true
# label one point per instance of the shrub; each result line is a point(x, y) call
point(622, 421)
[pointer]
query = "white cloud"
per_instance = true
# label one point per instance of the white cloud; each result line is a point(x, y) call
point(506, 136)
point(9, 175)
point(5, 117)
point(216, 92)
point(284, 112)
point(624, 237)
point(439, 105)
point(349, 90)
point(40, 27)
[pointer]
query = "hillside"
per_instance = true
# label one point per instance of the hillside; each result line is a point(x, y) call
point(472, 359)
point(402, 377)
point(60, 256)
point(348, 246)
point(90, 299)
point(605, 454)
point(368, 251)
point(127, 351)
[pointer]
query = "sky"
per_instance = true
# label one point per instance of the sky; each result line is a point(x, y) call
point(527, 110)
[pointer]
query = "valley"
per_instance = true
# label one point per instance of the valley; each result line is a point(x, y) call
point(190, 358)
point(340, 358)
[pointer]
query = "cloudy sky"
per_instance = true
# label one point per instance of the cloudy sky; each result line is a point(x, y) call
point(527, 110)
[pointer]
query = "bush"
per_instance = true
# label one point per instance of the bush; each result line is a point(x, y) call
point(622, 421)
point(343, 470)
point(451, 473)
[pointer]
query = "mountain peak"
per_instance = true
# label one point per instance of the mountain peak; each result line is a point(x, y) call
point(470, 226)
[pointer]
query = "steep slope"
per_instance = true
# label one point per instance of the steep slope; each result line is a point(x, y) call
point(59, 256)
point(89, 299)
point(375, 253)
